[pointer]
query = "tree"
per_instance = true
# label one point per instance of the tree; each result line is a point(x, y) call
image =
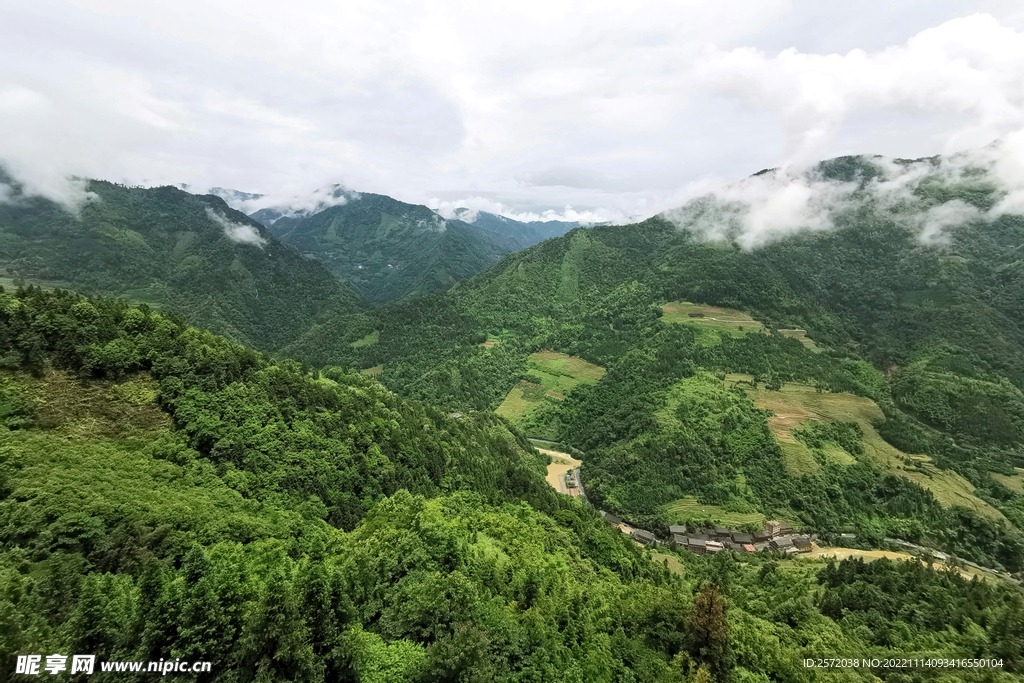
point(709, 633)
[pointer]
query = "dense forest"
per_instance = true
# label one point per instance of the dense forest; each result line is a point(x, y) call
point(167, 493)
point(326, 493)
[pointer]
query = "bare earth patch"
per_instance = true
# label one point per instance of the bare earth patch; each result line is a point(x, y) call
point(870, 555)
point(561, 463)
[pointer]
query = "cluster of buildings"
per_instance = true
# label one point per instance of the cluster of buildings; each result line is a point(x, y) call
point(776, 535)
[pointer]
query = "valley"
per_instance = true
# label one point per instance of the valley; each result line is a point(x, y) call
point(398, 456)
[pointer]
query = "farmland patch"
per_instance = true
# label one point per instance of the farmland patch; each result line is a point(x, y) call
point(368, 340)
point(551, 376)
point(1014, 482)
point(797, 403)
point(710, 319)
point(801, 336)
point(686, 509)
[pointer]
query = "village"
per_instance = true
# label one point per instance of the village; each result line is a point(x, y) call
point(776, 536)
point(703, 539)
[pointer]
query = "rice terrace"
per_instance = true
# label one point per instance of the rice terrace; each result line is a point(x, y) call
point(711, 320)
point(551, 376)
point(797, 404)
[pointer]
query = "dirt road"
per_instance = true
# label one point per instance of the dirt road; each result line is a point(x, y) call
point(869, 555)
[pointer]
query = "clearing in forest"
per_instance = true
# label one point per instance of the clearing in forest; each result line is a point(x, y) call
point(368, 340)
point(374, 371)
point(818, 552)
point(797, 403)
point(670, 561)
point(801, 336)
point(685, 509)
point(561, 373)
point(560, 464)
point(710, 319)
point(1014, 482)
point(552, 376)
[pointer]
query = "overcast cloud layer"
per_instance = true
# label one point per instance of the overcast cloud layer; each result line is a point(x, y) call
point(584, 110)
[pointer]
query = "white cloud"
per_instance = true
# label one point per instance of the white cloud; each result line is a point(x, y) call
point(762, 208)
point(237, 232)
point(289, 204)
point(468, 208)
point(939, 218)
point(776, 204)
point(612, 109)
point(971, 67)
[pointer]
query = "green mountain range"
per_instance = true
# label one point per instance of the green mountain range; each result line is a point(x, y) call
point(189, 254)
point(925, 339)
point(168, 496)
point(369, 504)
point(387, 249)
point(390, 250)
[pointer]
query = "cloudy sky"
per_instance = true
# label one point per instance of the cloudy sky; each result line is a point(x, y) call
point(615, 109)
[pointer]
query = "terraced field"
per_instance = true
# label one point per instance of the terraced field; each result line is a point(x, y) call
point(685, 509)
point(801, 336)
point(553, 375)
point(1014, 482)
point(797, 403)
point(710, 319)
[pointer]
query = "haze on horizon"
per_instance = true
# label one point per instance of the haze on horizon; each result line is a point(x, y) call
point(582, 111)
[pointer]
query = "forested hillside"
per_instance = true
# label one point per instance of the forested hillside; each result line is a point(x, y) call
point(390, 250)
point(167, 494)
point(523, 233)
point(188, 254)
point(925, 337)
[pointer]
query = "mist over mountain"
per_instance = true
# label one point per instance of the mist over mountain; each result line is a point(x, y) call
point(189, 254)
point(897, 283)
point(841, 349)
point(572, 397)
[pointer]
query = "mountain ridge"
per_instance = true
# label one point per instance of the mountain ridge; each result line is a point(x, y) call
point(163, 246)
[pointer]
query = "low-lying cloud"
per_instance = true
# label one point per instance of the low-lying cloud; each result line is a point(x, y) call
point(237, 232)
point(469, 208)
point(929, 196)
point(520, 104)
point(288, 204)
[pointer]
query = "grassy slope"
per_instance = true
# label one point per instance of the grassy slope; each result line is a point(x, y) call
point(798, 403)
point(554, 375)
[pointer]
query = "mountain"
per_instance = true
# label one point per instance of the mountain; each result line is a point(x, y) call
point(387, 249)
point(524, 234)
point(189, 254)
point(168, 496)
point(862, 375)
